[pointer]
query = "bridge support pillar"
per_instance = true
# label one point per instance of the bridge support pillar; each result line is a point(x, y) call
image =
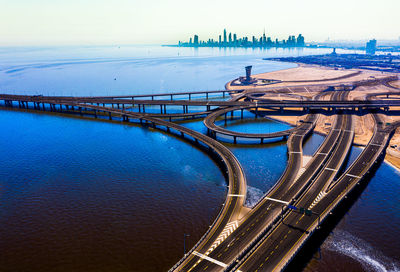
point(144, 109)
point(109, 116)
point(262, 140)
point(80, 111)
point(207, 96)
point(208, 108)
point(223, 94)
point(241, 113)
point(234, 139)
point(95, 113)
point(256, 113)
point(231, 114)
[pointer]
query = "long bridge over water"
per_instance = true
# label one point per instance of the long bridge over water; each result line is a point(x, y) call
point(268, 236)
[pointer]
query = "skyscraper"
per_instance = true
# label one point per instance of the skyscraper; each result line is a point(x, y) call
point(224, 36)
point(371, 47)
point(300, 40)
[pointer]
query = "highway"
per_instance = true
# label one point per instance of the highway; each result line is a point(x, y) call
point(267, 212)
point(323, 196)
point(269, 254)
point(311, 104)
point(268, 236)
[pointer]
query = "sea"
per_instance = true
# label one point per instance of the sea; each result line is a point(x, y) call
point(84, 195)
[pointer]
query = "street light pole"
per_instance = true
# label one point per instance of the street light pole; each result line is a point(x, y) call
point(184, 242)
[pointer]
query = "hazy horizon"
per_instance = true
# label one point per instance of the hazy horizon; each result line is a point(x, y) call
point(57, 22)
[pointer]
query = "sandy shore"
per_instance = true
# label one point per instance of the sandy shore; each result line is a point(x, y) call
point(309, 80)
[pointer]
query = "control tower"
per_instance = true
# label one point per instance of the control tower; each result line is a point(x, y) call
point(247, 80)
point(248, 73)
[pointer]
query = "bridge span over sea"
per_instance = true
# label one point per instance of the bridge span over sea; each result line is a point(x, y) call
point(268, 236)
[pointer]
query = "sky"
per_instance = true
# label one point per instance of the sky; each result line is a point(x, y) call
point(98, 22)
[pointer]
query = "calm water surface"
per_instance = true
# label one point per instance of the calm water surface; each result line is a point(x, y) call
point(80, 195)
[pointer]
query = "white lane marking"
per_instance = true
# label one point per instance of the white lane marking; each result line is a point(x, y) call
point(317, 199)
point(277, 200)
point(299, 135)
point(324, 154)
point(306, 89)
point(376, 144)
point(229, 228)
point(236, 195)
point(330, 169)
point(209, 259)
point(353, 176)
point(295, 152)
point(348, 131)
point(289, 89)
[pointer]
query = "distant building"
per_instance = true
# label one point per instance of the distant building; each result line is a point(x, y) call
point(225, 36)
point(232, 40)
point(300, 41)
point(370, 48)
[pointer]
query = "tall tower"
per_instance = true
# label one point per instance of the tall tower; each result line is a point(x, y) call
point(371, 47)
point(225, 36)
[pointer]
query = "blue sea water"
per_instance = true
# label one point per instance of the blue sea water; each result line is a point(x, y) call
point(98, 196)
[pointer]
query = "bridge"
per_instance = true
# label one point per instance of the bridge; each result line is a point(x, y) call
point(268, 236)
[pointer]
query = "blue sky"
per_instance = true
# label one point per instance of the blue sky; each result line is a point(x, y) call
point(64, 22)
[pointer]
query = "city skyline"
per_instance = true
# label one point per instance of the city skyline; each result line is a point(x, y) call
point(45, 22)
point(233, 40)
